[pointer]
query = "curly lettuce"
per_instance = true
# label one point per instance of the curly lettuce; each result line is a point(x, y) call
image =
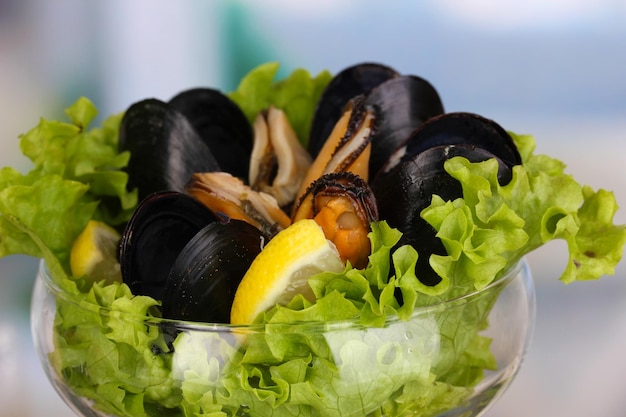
point(493, 226)
point(297, 95)
point(139, 369)
point(76, 176)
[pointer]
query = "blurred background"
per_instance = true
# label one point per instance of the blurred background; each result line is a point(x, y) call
point(553, 68)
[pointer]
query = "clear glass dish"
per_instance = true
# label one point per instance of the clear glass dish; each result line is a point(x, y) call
point(416, 367)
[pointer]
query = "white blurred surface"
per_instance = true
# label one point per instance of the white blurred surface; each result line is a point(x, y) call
point(554, 69)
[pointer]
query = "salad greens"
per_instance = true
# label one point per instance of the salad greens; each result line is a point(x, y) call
point(493, 226)
point(421, 367)
point(76, 176)
point(131, 368)
point(297, 95)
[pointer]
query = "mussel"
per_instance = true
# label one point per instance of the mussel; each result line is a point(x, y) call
point(455, 129)
point(164, 148)
point(162, 224)
point(278, 162)
point(407, 186)
point(344, 206)
point(352, 81)
point(202, 282)
point(405, 102)
point(177, 251)
point(335, 192)
point(377, 148)
point(347, 147)
point(221, 124)
point(199, 130)
point(229, 197)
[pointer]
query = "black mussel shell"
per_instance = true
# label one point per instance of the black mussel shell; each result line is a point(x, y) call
point(203, 281)
point(405, 191)
point(355, 80)
point(404, 103)
point(456, 129)
point(162, 224)
point(221, 124)
point(165, 149)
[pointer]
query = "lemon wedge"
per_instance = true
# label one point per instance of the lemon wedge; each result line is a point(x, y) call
point(94, 253)
point(282, 270)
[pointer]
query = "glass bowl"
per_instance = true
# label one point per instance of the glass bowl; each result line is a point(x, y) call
point(453, 358)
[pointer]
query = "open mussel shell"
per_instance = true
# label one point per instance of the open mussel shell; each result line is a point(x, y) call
point(404, 103)
point(456, 129)
point(221, 124)
point(355, 80)
point(405, 191)
point(202, 283)
point(162, 224)
point(165, 149)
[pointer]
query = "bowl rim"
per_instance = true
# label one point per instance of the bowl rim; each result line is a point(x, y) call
point(52, 287)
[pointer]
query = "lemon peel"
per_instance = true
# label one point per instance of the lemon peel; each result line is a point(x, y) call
point(282, 269)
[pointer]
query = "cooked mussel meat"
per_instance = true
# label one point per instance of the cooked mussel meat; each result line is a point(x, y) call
point(352, 81)
point(278, 162)
point(229, 197)
point(344, 206)
point(348, 147)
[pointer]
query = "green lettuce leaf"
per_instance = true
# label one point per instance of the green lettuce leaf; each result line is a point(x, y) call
point(105, 350)
point(76, 176)
point(43, 218)
point(297, 95)
point(384, 367)
point(421, 367)
point(378, 368)
point(493, 226)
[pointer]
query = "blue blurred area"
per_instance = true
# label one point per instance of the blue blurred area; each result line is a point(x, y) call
point(494, 67)
point(116, 52)
point(552, 68)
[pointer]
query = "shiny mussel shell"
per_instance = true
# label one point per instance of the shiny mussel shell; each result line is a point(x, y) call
point(203, 280)
point(405, 191)
point(404, 103)
point(456, 129)
point(221, 124)
point(165, 149)
point(161, 226)
point(355, 80)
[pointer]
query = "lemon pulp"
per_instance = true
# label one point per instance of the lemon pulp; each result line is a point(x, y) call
point(94, 253)
point(282, 270)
